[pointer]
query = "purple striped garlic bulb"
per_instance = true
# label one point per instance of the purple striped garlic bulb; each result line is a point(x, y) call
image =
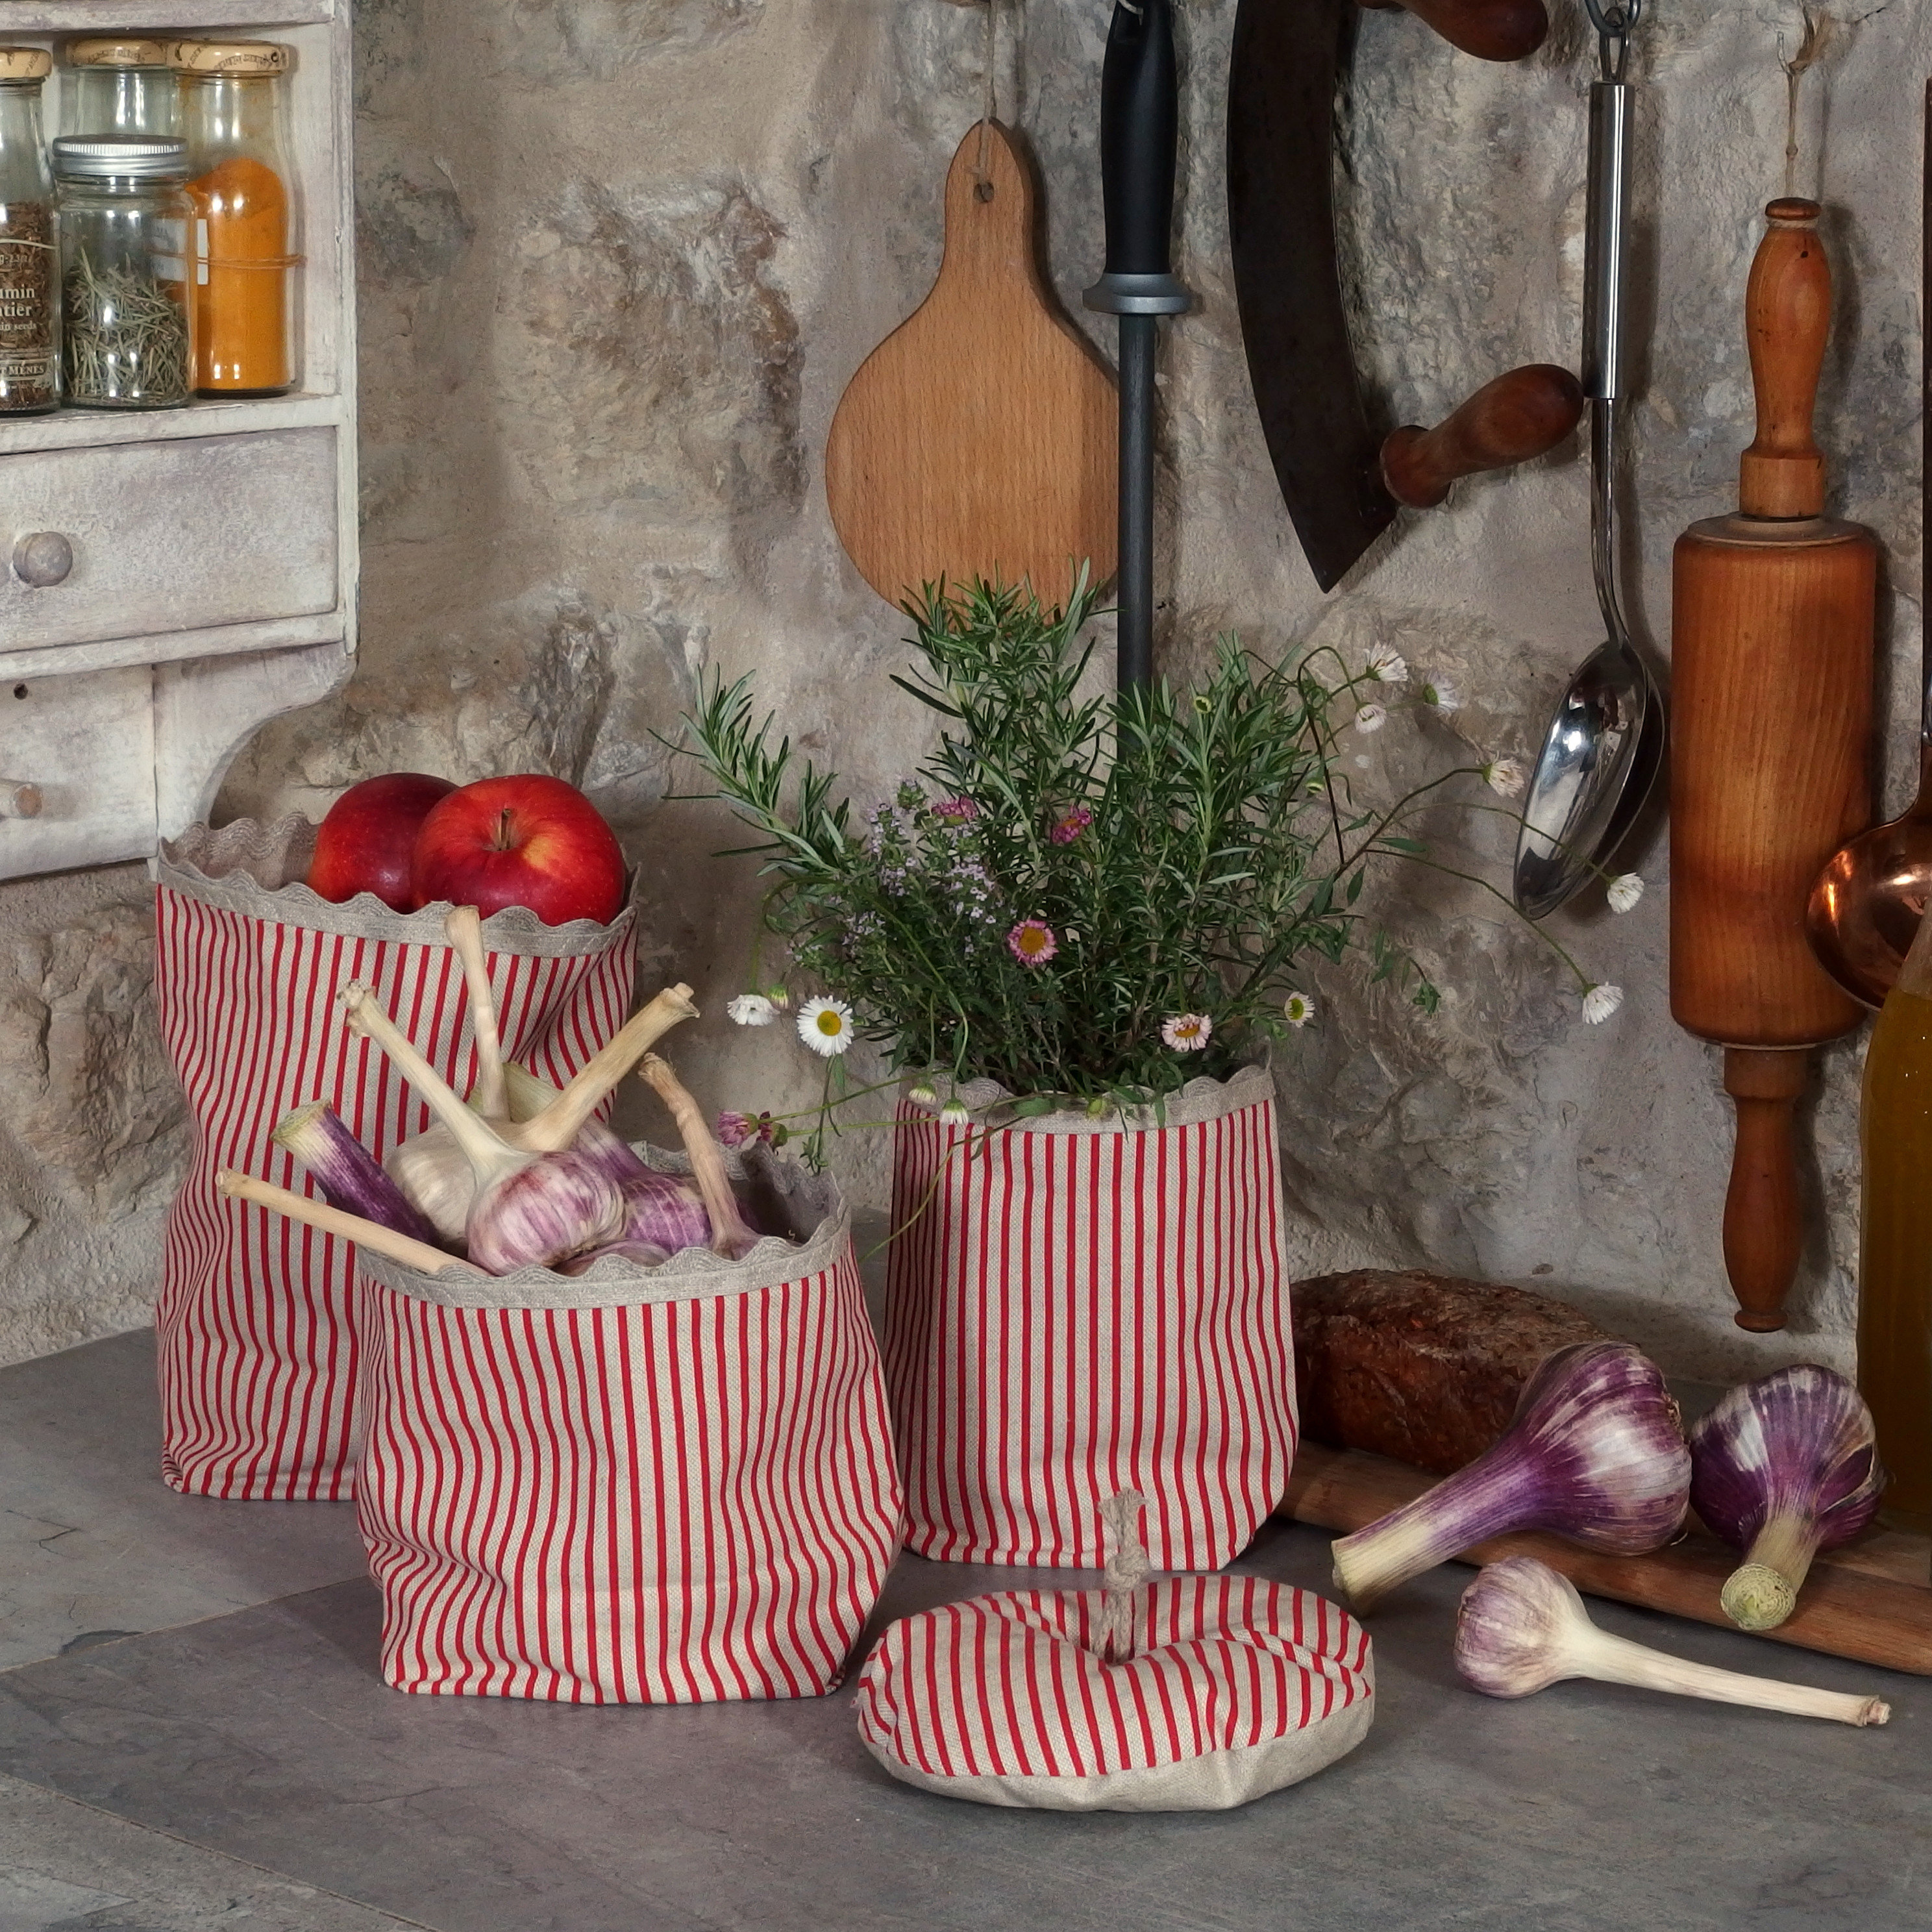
point(1595, 1452)
point(1781, 1468)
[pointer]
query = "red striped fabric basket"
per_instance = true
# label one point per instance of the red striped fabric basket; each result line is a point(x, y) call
point(1237, 1687)
point(1076, 1307)
point(258, 1345)
point(669, 1485)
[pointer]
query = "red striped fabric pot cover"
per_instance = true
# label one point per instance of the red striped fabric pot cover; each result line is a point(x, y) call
point(258, 1344)
point(670, 1486)
point(1076, 1307)
point(1237, 1687)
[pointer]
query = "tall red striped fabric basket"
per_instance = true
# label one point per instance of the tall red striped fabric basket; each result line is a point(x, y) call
point(665, 1485)
point(1077, 1306)
point(258, 1342)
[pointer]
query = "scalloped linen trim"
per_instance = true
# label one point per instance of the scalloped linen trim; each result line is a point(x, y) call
point(774, 1192)
point(256, 870)
point(1200, 1100)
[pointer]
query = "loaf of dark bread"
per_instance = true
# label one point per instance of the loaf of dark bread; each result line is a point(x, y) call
point(1423, 1367)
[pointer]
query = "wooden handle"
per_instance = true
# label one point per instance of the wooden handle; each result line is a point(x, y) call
point(1787, 317)
point(1494, 30)
point(1762, 1230)
point(1520, 415)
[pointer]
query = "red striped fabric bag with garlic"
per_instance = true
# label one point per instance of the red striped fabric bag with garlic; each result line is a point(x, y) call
point(670, 1485)
point(1076, 1307)
point(258, 1340)
point(1236, 1686)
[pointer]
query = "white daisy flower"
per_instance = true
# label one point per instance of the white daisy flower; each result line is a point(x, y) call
point(826, 1026)
point(1388, 666)
point(752, 1009)
point(780, 998)
point(1624, 891)
point(952, 1114)
point(921, 1097)
point(1299, 1009)
point(1441, 694)
point(1600, 1002)
point(1505, 776)
point(1371, 718)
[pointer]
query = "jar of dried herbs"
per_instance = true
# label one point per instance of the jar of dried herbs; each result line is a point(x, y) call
point(29, 310)
point(125, 295)
point(120, 86)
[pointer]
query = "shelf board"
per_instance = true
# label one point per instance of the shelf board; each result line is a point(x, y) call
point(81, 16)
point(90, 429)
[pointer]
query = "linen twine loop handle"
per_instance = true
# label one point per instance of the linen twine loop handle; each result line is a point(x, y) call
point(982, 179)
point(1127, 1569)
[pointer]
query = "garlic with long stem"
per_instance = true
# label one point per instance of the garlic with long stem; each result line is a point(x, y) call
point(348, 1174)
point(731, 1233)
point(462, 926)
point(1594, 1452)
point(319, 1214)
point(1781, 1468)
point(1522, 1627)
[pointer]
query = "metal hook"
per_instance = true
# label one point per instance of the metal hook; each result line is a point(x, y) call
point(1613, 24)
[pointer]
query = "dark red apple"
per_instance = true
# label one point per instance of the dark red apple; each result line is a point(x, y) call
point(529, 840)
point(366, 842)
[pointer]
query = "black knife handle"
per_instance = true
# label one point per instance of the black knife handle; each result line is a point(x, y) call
point(1139, 123)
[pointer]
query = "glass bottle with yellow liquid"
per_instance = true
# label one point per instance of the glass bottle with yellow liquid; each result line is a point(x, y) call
point(1895, 1238)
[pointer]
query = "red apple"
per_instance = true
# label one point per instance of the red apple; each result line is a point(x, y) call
point(364, 844)
point(529, 840)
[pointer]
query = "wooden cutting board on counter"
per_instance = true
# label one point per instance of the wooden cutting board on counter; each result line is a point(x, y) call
point(980, 438)
point(1870, 1600)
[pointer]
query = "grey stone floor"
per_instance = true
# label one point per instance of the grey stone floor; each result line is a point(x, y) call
point(234, 1760)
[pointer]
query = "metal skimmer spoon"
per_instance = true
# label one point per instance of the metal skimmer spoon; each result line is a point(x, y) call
point(1605, 744)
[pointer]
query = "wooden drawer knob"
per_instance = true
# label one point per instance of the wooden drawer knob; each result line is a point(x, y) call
point(19, 800)
point(43, 559)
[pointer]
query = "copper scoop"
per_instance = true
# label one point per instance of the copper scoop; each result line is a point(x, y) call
point(1867, 902)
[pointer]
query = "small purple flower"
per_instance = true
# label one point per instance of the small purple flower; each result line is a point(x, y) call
point(1070, 827)
point(735, 1129)
point(1032, 943)
point(960, 811)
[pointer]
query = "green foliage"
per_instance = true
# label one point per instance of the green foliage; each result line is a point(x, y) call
point(1182, 850)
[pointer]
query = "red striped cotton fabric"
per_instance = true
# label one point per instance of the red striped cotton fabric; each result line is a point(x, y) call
point(678, 1502)
point(1010, 1686)
point(256, 1316)
point(1073, 1314)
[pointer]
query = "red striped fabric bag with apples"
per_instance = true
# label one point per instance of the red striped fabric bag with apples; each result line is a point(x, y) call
point(637, 1486)
point(1078, 1306)
point(258, 1340)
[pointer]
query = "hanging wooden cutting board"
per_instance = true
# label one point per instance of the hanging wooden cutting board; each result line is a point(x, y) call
point(980, 438)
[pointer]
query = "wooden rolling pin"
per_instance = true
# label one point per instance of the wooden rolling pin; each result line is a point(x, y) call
point(1771, 627)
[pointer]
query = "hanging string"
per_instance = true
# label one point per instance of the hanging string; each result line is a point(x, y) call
point(1811, 49)
point(982, 179)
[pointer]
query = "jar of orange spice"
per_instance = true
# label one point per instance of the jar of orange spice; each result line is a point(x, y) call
point(241, 182)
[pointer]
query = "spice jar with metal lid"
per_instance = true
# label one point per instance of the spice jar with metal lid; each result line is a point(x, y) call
point(241, 180)
point(126, 303)
point(120, 87)
point(29, 308)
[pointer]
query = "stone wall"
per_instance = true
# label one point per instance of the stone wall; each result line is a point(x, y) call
point(619, 258)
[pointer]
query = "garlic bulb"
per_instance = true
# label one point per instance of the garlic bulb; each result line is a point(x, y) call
point(347, 1173)
point(1522, 1627)
point(1781, 1468)
point(1595, 1452)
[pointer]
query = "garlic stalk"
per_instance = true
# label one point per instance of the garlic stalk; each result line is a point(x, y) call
point(731, 1235)
point(348, 1174)
point(1595, 1453)
point(365, 1234)
point(1781, 1468)
point(1522, 1627)
point(462, 926)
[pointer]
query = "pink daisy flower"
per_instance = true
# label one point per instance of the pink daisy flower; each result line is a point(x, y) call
point(1032, 943)
point(734, 1129)
point(1070, 827)
point(955, 811)
point(1187, 1032)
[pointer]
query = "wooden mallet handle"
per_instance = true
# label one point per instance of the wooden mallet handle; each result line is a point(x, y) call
point(1494, 30)
point(1520, 416)
point(1763, 1230)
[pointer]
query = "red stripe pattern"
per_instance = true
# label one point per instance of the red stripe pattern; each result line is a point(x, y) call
point(255, 1317)
point(680, 1502)
point(1010, 1687)
point(1070, 1314)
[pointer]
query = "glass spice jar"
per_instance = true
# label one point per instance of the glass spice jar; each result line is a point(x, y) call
point(120, 87)
point(29, 308)
point(241, 180)
point(126, 307)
